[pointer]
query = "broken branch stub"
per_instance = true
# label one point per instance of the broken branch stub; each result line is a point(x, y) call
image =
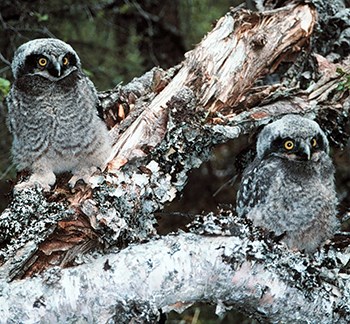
point(243, 47)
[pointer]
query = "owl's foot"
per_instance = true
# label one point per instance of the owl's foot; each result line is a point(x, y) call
point(45, 181)
point(84, 174)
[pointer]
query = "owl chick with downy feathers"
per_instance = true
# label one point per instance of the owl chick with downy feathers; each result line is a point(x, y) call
point(52, 115)
point(289, 187)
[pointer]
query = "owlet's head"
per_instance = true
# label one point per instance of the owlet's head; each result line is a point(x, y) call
point(292, 137)
point(47, 57)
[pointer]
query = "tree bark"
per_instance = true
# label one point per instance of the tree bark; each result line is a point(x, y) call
point(165, 123)
point(259, 276)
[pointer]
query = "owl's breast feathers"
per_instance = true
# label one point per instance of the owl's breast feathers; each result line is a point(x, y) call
point(276, 177)
point(60, 116)
point(294, 199)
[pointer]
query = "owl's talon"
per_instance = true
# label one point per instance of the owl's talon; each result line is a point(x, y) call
point(84, 175)
point(73, 181)
point(43, 180)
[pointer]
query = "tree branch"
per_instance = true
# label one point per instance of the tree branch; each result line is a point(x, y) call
point(233, 271)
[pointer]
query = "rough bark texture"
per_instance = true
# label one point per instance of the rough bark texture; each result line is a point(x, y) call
point(165, 124)
point(242, 271)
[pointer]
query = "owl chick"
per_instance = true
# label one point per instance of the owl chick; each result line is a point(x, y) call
point(52, 115)
point(289, 187)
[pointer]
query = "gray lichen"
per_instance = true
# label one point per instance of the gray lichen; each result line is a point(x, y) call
point(29, 218)
point(133, 311)
point(326, 272)
point(125, 202)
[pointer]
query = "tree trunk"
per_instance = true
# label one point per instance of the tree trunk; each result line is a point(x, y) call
point(251, 68)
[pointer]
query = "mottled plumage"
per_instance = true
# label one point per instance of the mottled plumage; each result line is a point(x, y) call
point(52, 114)
point(289, 187)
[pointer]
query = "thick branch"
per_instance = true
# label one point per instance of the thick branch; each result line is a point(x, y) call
point(175, 271)
point(223, 67)
point(244, 47)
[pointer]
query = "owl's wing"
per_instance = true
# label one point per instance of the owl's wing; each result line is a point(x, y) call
point(89, 86)
point(10, 120)
point(254, 187)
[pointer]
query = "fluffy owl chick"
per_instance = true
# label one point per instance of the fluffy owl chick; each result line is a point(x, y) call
point(289, 187)
point(52, 114)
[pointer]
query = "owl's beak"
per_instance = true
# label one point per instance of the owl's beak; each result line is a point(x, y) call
point(57, 68)
point(304, 152)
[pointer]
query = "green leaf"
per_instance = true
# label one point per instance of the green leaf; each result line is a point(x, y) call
point(340, 87)
point(41, 17)
point(4, 87)
point(88, 73)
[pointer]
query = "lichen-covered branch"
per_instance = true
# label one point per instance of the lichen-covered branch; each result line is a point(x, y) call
point(173, 272)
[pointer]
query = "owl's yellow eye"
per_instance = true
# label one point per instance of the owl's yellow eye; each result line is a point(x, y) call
point(42, 61)
point(313, 142)
point(289, 145)
point(65, 61)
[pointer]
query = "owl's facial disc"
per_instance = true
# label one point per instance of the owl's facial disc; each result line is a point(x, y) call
point(298, 150)
point(50, 66)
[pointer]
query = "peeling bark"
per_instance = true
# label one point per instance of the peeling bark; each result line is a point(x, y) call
point(229, 55)
point(258, 276)
point(165, 123)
